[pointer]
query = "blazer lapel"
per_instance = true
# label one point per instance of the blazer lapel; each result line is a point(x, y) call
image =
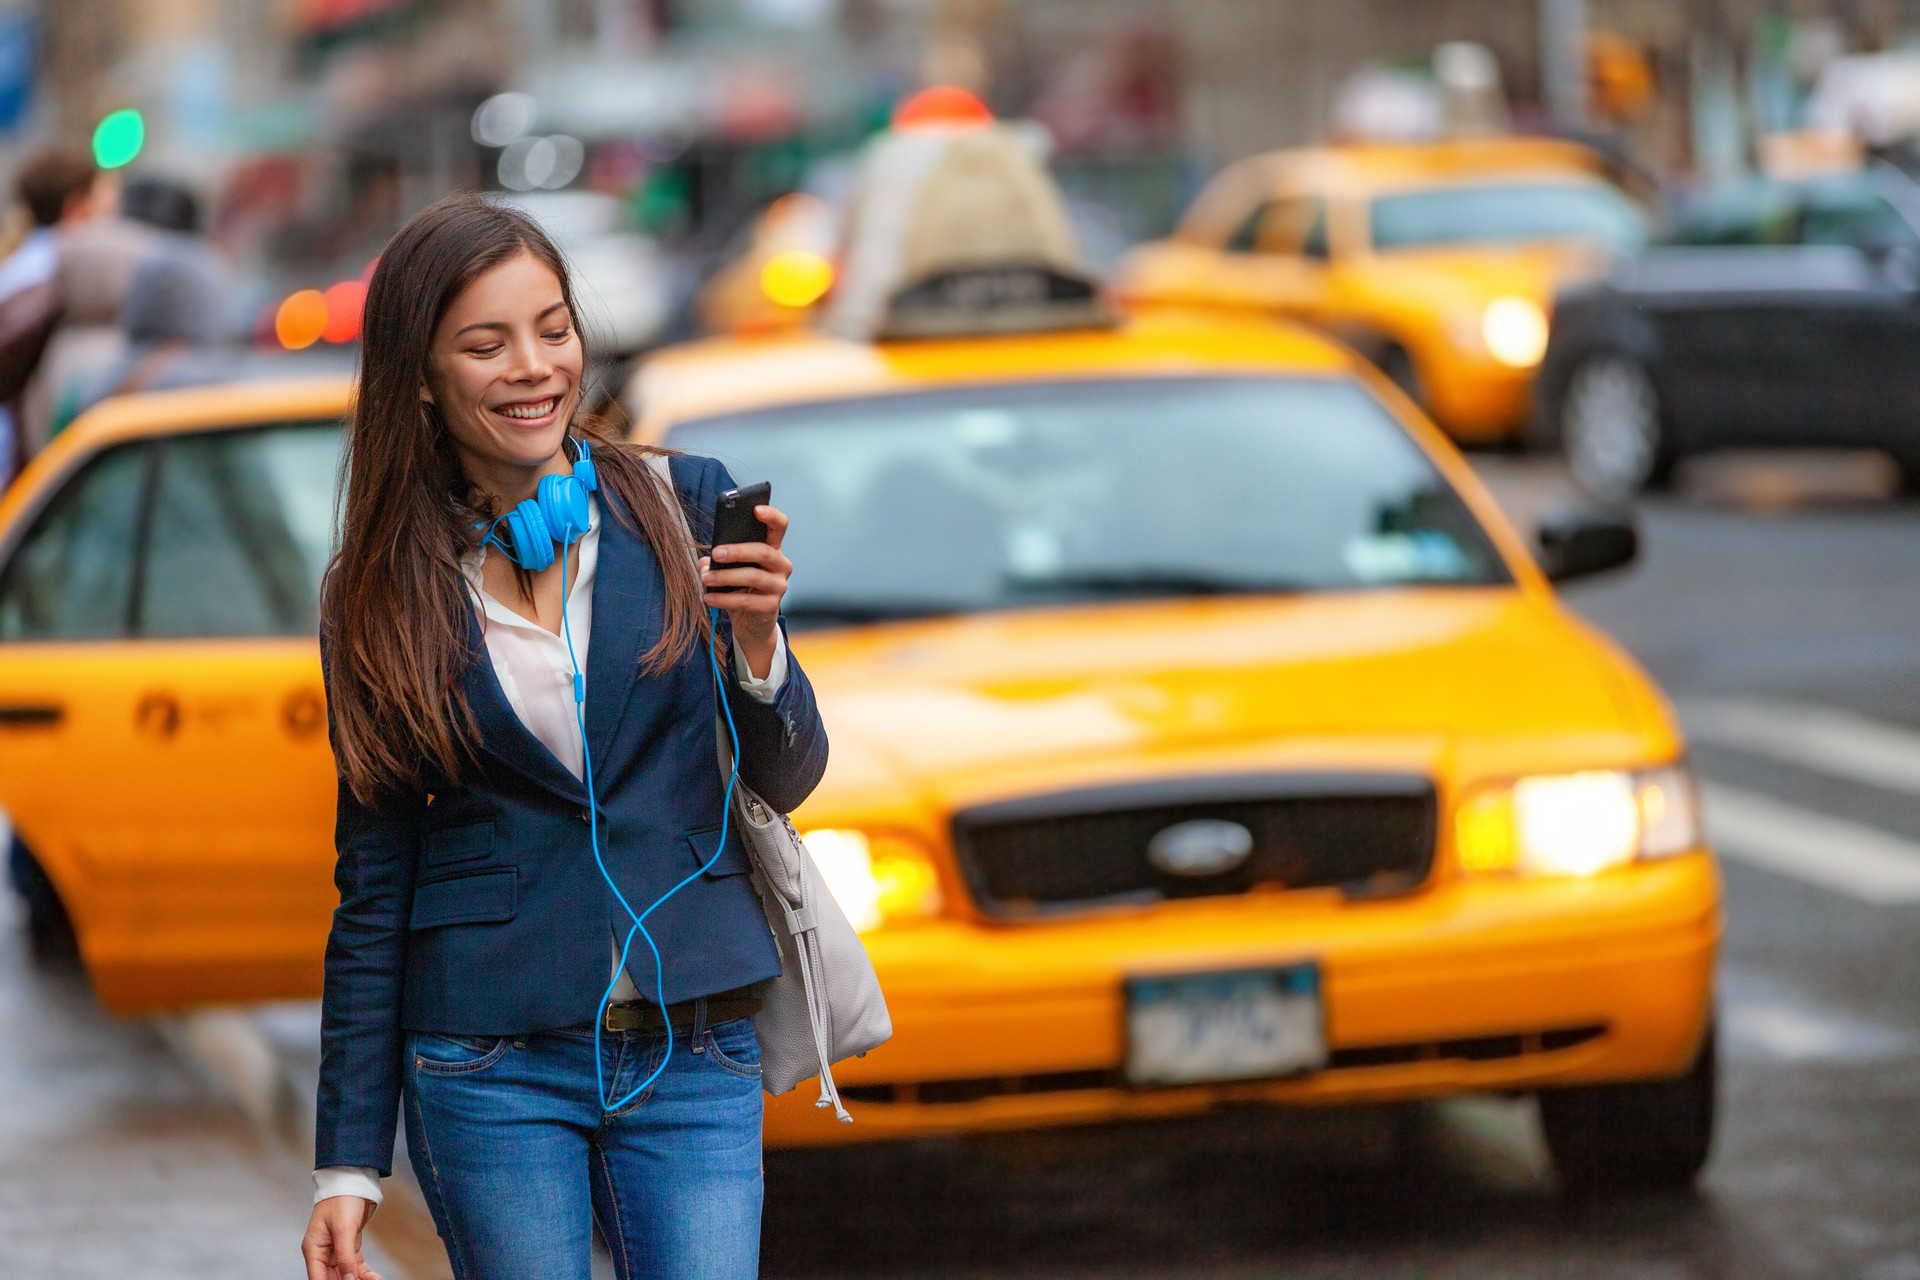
point(628, 614)
point(501, 732)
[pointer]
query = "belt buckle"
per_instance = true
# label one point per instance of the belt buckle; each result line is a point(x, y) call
point(624, 1017)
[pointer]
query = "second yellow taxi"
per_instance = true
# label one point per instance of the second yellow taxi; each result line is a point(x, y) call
point(1439, 261)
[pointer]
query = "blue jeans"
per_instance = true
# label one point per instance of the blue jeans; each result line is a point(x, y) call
point(517, 1159)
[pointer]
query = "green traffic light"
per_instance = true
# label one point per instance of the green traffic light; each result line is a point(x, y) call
point(117, 139)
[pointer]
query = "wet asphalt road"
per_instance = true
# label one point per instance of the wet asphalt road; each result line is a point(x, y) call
point(1742, 595)
point(114, 1161)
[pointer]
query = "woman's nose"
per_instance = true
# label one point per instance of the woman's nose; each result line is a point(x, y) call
point(530, 363)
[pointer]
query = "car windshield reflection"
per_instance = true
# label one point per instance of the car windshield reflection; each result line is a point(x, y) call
point(1016, 496)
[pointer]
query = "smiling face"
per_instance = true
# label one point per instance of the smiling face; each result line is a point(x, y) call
point(505, 374)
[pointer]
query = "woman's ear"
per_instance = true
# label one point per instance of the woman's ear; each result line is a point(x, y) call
point(426, 394)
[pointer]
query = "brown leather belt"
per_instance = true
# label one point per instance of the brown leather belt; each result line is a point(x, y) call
point(643, 1015)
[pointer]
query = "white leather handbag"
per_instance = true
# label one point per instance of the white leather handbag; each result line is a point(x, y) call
point(826, 1005)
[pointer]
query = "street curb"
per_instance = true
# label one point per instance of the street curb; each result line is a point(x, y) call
point(228, 1047)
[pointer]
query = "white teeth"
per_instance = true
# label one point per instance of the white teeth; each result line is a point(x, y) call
point(540, 410)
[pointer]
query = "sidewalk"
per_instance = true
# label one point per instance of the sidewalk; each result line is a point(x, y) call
point(266, 1058)
point(116, 1160)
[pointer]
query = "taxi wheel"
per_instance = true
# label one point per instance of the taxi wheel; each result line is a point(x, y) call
point(1649, 1136)
point(1611, 429)
point(50, 937)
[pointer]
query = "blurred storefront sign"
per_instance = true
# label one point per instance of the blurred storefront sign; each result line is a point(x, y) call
point(741, 94)
point(1874, 97)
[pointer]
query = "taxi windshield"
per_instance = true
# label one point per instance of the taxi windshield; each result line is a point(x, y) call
point(1506, 212)
point(1009, 496)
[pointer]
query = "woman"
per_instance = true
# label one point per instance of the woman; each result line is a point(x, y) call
point(477, 941)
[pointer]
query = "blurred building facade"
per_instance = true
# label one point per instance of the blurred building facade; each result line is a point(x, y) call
point(314, 126)
point(1687, 89)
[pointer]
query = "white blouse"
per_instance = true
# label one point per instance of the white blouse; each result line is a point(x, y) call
point(536, 673)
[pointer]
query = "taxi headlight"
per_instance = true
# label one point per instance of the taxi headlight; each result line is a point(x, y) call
point(876, 879)
point(1579, 824)
point(1515, 332)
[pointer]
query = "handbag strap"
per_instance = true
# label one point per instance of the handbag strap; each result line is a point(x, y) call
point(802, 923)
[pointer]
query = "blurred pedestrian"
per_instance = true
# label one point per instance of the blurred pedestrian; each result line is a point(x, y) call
point(556, 1078)
point(98, 259)
point(59, 189)
point(177, 326)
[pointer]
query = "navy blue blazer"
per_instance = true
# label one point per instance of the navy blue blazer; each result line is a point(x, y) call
point(477, 909)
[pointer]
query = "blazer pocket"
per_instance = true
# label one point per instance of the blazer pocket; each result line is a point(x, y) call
point(459, 844)
point(470, 899)
point(732, 862)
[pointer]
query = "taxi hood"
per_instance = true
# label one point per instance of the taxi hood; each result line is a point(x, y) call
point(1436, 680)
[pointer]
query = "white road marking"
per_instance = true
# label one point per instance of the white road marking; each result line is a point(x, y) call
point(1832, 853)
point(1762, 1019)
point(1837, 743)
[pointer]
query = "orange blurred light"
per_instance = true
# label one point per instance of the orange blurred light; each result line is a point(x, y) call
point(942, 106)
point(345, 301)
point(796, 277)
point(301, 320)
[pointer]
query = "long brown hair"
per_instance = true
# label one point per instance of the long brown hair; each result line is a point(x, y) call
point(394, 611)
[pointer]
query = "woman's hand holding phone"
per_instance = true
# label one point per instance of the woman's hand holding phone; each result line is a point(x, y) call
point(749, 580)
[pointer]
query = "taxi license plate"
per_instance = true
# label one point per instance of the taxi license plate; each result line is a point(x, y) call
point(1245, 1025)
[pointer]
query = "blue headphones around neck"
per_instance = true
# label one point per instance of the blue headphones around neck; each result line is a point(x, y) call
point(557, 513)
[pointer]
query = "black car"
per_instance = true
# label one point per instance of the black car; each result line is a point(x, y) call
point(1776, 314)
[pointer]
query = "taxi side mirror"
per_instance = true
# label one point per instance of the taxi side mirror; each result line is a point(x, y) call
point(1578, 544)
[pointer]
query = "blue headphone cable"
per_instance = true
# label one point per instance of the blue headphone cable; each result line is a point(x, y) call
point(639, 926)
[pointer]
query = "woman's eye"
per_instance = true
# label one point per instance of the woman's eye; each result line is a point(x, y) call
point(483, 352)
point(560, 335)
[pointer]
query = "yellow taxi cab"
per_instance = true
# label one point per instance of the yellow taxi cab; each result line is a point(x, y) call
point(163, 745)
point(1438, 261)
point(1202, 733)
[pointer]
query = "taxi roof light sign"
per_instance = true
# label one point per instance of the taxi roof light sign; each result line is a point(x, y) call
point(959, 232)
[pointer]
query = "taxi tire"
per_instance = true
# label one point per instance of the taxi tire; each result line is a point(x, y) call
point(50, 936)
point(1610, 430)
point(1643, 1136)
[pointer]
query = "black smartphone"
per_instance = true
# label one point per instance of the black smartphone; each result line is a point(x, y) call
point(733, 518)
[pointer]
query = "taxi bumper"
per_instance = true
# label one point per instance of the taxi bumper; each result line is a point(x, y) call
point(1466, 987)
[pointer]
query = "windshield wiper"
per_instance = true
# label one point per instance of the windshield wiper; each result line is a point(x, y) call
point(1148, 582)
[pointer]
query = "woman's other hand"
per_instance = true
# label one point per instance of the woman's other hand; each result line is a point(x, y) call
point(761, 571)
point(331, 1246)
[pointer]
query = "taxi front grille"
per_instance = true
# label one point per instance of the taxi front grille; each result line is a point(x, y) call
point(1366, 834)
